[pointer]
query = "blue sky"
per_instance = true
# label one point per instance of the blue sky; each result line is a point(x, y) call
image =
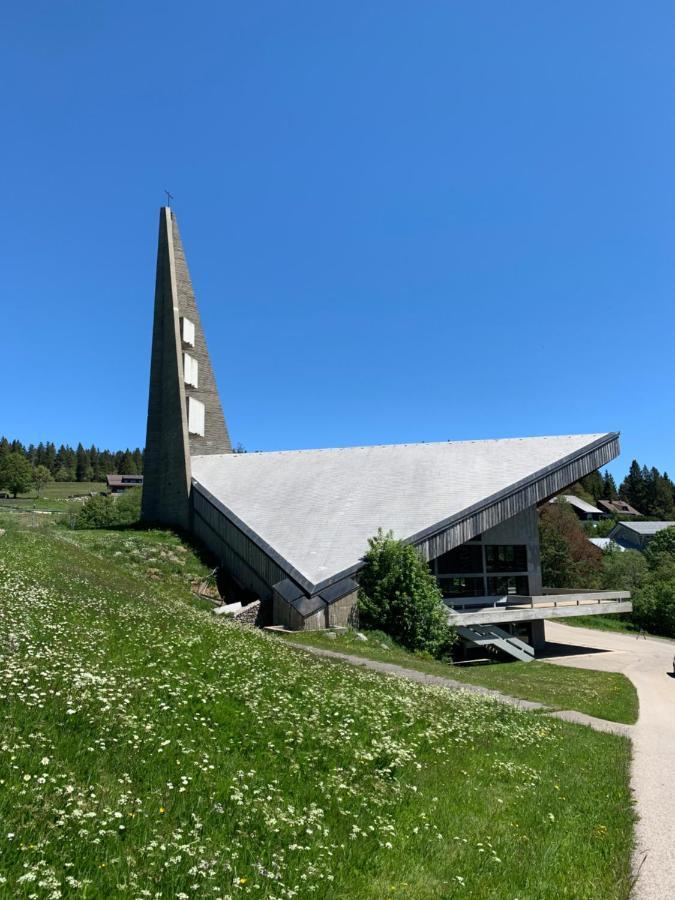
point(404, 221)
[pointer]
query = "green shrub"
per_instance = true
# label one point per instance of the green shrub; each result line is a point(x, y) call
point(662, 542)
point(398, 594)
point(623, 571)
point(106, 511)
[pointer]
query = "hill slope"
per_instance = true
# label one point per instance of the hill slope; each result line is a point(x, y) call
point(150, 750)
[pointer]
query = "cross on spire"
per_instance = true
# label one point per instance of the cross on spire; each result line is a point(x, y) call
point(169, 198)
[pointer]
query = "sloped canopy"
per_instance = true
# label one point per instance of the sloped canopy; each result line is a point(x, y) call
point(314, 510)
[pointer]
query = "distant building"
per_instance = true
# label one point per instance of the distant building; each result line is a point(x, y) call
point(618, 508)
point(636, 535)
point(585, 511)
point(117, 484)
point(605, 543)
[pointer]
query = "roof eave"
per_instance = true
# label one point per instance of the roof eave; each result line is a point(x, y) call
point(597, 453)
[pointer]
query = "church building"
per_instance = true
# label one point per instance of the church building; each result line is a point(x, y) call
point(291, 527)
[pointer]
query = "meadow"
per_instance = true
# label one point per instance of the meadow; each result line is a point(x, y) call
point(606, 695)
point(150, 749)
point(56, 496)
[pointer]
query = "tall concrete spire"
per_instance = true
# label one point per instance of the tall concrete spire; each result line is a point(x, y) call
point(185, 417)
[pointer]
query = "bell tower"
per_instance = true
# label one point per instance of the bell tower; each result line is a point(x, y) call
point(185, 417)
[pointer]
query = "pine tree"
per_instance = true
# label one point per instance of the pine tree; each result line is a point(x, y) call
point(633, 487)
point(593, 485)
point(127, 465)
point(83, 466)
point(609, 491)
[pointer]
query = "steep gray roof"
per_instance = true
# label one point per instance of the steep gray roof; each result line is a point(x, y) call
point(648, 528)
point(316, 509)
point(577, 502)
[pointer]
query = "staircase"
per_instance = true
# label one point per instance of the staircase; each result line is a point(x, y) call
point(492, 636)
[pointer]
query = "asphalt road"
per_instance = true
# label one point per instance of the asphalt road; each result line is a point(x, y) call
point(649, 665)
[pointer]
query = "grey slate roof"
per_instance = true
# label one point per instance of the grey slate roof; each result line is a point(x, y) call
point(317, 508)
point(580, 504)
point(649, 528)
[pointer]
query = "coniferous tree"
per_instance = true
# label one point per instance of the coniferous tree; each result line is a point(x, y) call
point(633, 487)
point(127, 465)
point(609, 491)
point(82, 466)
point(593, 485)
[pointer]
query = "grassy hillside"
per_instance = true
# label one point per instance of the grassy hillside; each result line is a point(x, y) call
point(151, 750)
point(607, 695)
point(57, 495)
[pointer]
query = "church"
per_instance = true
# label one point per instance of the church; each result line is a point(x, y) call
point(291, 527)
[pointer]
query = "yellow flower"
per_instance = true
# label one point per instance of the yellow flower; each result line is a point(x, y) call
point(243, 880)
point(162, 810)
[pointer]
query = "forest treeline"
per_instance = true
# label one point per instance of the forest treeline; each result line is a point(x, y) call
point(651, 492)
point(81, 463)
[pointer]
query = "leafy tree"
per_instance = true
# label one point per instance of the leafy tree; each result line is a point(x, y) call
point(41, 475)
point(662, 542)
point(568, 559)
point(15, 473)
point(399, 595)
point(623, 571)
point(654, 603)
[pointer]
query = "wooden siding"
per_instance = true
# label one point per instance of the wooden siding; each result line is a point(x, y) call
point(517, 500)
point(238, 553)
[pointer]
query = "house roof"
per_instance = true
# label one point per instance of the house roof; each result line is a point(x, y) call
point(577, 502)
point(123, 480)
point(314, 510)
point(619, 506)
point(645, 528)
point(604, 543)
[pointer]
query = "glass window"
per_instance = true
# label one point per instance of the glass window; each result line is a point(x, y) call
point(506, 557)
point(502, 587)
point(464, 559)
point(454, 588)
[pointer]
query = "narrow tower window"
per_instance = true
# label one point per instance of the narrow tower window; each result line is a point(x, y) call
point(190, 370)
point(188, 332)
point(195, 417)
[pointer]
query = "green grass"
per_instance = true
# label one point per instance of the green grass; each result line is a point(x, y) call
point(55, 496)
point(607, 695)
point(605, 623)
point(151, 749)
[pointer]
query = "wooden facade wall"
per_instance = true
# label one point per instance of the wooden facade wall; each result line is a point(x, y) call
point(431, 546)
point(239, 554)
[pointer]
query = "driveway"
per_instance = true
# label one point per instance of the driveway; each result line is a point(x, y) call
point(647, 663)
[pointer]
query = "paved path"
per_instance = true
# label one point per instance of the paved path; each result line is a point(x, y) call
point(647, 664)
